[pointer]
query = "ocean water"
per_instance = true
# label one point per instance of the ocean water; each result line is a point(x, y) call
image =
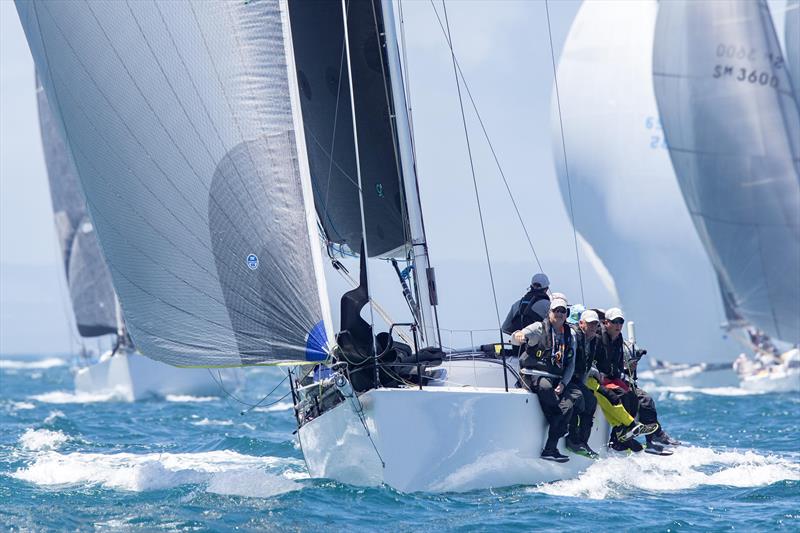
point(70, 462)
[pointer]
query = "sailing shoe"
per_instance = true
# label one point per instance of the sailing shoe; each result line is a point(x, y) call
point(630, 444)
point(582, 449)
point(634, 430)
point(554, 455)
point(662, 437)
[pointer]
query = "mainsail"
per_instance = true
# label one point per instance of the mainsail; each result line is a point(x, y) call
point(791, 28)
point(183, 122)
point(88, 279)
point(733, 130)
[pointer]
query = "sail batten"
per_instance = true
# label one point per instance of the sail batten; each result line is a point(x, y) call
point(184, 132)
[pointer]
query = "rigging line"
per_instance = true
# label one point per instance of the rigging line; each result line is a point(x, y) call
point(491, 147)
point(564, 150)
point(472, 167)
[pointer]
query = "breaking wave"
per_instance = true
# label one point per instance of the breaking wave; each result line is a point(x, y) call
point(42, 439)
point(223, 472)
point(60, 397)
point(280, 406)
point(687, 468)
point(186, 398)
point(674, 392)
point(32, 364)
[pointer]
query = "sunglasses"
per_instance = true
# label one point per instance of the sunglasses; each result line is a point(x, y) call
point(559, 310)
point(618, 321)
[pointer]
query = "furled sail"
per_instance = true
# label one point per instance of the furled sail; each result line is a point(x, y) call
point(183, 121)
point(89, 281)
point(627, 204)
point(733, 130)
point(322, 69)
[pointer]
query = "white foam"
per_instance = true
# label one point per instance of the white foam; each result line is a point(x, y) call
point(187, 398)
point(208, 422)
point(42, 439)
point(711, 391)
point(222, 471)
point(34, 364)
point(280, 406)
point(22, 406)
point(53, 416)
point(612, 477)
point(61, 397)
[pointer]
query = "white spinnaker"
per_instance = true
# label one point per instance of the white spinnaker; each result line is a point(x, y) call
point(180, 122)
point(733, 130)
point(627, 204)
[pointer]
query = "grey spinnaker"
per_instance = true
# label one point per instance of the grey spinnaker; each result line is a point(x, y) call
point(181, 121)
point(791, 35)
point(322, 71)
point(733, 131)
point(88, 279)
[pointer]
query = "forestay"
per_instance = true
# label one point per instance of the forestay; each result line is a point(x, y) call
point(733, 131)
point(89, 281)
point(182, 119)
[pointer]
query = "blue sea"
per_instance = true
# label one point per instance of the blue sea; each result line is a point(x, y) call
point(70, 462)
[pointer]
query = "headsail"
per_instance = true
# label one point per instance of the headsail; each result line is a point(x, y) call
point(89, 281)
point(733, 131)
point(182, 118)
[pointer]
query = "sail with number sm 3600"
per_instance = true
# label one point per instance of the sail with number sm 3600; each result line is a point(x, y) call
point(733, 130)
point(88, 279)
point(182, 119)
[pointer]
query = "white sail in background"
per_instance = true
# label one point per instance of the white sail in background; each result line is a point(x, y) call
point(88, 279)
point(791, 37)
point(627, 204)
point(179, 116)
point(733, 130)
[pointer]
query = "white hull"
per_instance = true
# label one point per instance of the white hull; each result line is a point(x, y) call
point(779, 380)
point(440, 438)
point(130, 376)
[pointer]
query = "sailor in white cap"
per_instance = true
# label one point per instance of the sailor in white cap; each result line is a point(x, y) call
point(546, 369)
point(532, 307)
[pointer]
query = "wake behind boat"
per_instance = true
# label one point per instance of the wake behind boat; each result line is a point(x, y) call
point(697, 375)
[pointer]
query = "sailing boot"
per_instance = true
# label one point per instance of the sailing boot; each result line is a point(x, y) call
point(554, 455)
point(663, 438)
point(551, 453)
point(635, 429)
point(582, 448)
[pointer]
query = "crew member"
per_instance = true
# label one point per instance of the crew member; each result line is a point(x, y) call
point(546, 368)
point(532, 307)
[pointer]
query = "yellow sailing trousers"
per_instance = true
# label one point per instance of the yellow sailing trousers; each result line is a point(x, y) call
point(615, 414)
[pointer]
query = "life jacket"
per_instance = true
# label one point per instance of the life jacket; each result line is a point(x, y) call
point(612, 362)
point(585, 355)
point(522, 314)
point(545, 357)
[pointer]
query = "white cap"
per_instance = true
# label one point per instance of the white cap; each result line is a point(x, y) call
point(558, 302)
point(614, 313)
point(540, 279)
point(590, 316)
point(559, 296)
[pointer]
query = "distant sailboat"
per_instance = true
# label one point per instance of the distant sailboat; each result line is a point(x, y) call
point(733, 129)
point(622, 188)
point(224, 149)
point(120, 371)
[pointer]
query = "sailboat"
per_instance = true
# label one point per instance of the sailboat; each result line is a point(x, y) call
point(120, 372)
point(732, 125)
point(237, 156)
point(622, 190)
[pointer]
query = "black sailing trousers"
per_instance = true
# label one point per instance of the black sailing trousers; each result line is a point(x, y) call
point(557, 409)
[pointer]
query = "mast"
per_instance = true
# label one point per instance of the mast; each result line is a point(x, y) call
point(425, 282)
